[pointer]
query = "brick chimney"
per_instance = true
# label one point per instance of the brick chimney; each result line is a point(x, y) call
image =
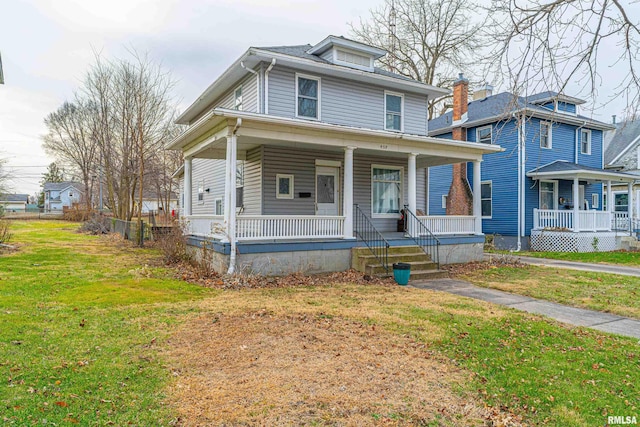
point(460, 197)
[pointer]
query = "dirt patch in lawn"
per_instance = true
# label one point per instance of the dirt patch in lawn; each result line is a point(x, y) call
point(264, 369)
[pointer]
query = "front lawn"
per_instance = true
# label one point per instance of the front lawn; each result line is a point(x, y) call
point(89, 335)
point(627, 258)
point(610, 293)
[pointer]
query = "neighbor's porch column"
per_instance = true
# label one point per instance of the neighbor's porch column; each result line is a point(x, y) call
point(187, 187)
point(412, 183)
point(348, 192)
point(477, 197)
point(630, 206)
point(576, 203)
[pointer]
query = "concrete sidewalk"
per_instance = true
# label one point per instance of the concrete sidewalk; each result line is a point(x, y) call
point(575, 316)
point(573, 265)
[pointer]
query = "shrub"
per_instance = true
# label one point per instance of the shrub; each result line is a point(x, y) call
point(96, 224)
point(5, 234)
point(173, 244)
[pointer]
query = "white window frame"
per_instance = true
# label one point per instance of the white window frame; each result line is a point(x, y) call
point(595, 200)
point(444, 201)
point(401, 96)
point(309, 77)
point(201, 192)
point(587, 132)
point(218, 202)
point(282, 195)
point(238, 100)
point(555, 194)
point(401, 204)
point(490, 198)
point(549, 135)
point(490, 134)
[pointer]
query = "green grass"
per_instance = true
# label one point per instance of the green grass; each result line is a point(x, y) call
point(596, 291)
point(80, 325)
point(84, 326)
point(616, 257)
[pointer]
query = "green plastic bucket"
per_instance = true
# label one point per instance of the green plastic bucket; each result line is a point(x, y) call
point(401, 273)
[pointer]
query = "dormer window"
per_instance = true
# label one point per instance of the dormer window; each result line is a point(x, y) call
point(348, 53)
point(308, 97)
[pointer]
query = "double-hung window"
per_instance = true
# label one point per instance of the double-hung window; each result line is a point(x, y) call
point(239, 183)
point(585, 141)
point(393, 111)
point(237, 98)
point(307, 97)
point(486, 198)
point(484, 135)
point(548, 190)
point(201, 191)
point(386, 191)
point(545, 135)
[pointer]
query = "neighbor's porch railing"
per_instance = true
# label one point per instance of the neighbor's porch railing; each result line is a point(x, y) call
point(269, 227)
point(449, 224)
point(590, 220)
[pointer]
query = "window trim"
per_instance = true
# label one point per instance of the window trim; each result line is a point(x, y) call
point(235, 99)
point(215, 206)
point(588, 132)
point(549, 135)
point(443, 201)
point(282, 195)
point(201, 193)
point(595, 201)
point(490, 182)
point(400, 206)
point(555, 193)
point(401, 96)
point(318, 109)
point(481, 128)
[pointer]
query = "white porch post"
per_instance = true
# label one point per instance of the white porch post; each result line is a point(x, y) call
point(348, 193)
point(610, 201)
point(412, 182)
point(187, 187)
point(477, 197)
point(630, 206)
point(230, 187)
point(576, 203)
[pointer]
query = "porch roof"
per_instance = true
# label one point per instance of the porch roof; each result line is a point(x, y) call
point(216, 125)
point(561, 169)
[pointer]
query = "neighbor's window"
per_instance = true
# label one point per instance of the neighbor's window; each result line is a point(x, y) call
point(393, 103)
point(201, 191)
point(237, 97)
point(486, 198)
point(386, 187)
point(308, 93)
point(484, 135)
point(547, 194)
point(585, 141)
point(595, 201)
point(219, 206)
point(444, 201)
point(621, 202)
point(284, 186)
point(545, 135)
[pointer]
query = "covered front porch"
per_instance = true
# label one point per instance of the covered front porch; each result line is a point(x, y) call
point(289, 180)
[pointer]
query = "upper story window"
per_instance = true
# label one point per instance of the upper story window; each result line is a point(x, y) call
point(237, 99)
point(393, 108)
point(484, 135)
point(585, 141)
point(486, 196)
point(545, 135)
point(308, 97)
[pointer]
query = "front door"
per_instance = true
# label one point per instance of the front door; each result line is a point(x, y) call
point(327, 182)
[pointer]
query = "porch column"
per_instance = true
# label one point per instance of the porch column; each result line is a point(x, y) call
point(610, 201)
point(187, 187)
point(347, 209)
point(230, 187)
point(477, 197)
point(630, 207)
point(576, 203)
point(412, 183)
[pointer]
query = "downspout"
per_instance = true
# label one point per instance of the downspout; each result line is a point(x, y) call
point(255, 73)
point(232, 205)
point(521, 180)
point(266, 85)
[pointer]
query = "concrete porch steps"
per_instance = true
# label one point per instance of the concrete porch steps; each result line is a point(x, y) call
point(422, 267)
point(630, 243)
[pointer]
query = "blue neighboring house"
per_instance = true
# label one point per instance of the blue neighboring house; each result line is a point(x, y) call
point(553, 158)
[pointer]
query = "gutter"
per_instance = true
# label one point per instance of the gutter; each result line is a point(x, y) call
point(266, 85)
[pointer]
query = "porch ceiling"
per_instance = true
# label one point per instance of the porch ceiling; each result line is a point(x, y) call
point(207, 139)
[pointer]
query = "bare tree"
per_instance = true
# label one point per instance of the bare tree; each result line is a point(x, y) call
point(553, 43)
point(4, 176)
point(428, 40)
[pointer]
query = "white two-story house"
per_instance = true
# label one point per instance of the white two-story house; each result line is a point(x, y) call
point(297, 154)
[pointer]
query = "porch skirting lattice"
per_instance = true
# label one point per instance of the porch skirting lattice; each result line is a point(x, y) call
point(566, 241)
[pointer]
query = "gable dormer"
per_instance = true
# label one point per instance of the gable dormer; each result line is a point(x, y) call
point(348, 53)
point(558, 102)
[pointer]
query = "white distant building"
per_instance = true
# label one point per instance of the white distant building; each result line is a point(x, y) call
point(14, 202)
point(58, 195)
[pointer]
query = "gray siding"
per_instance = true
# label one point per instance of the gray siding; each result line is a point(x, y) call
point(211, 173)
point(253, 182)
point(249, 95)
point(328, 55)
point(345, 102)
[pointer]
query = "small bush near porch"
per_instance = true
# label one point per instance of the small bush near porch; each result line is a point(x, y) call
point(93, 332)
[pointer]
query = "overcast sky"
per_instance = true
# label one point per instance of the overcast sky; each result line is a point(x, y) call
point(48, 45)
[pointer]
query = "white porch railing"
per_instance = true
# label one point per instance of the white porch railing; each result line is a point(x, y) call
point(590, 220)
point(205, 225)
point(449, 224)
point(268, 227)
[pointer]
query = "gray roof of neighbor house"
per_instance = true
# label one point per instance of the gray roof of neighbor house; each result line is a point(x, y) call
point(499, 107)
point(14, 198)
point(59, 186)
point(621, 140)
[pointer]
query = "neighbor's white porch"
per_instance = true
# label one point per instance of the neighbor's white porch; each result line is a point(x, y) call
point(585, 220)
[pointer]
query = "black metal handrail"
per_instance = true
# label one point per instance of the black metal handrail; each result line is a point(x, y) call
point(420, 234)
point(372, 238)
